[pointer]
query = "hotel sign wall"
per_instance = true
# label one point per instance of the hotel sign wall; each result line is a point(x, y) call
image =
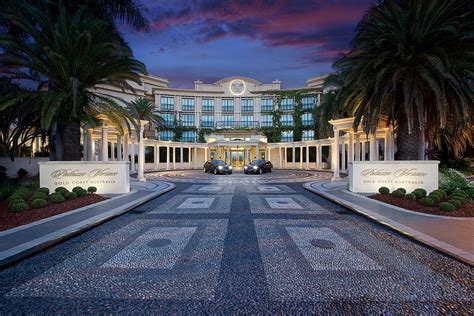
point(108, 177)
point(369, 176)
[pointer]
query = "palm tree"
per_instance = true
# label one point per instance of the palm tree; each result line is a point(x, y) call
point(141, 109)
point(412, 61)
point(67, 55)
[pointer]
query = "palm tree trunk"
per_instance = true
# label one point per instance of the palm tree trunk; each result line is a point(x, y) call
point(71, 137)
point(410, 146)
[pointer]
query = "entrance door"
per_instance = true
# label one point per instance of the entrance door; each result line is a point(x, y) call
point(237, 158)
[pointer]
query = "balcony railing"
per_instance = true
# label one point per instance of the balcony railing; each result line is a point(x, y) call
point(234, 124)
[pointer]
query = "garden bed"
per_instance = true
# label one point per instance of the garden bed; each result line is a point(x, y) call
point(9, 219)
point(466, 210)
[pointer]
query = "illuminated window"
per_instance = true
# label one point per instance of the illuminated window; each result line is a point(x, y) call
point(247, 105)
point(188, 136)
point(287, 104)
point(247, 121)
point(308, 135)
point(168, 119)
point(286, 120)
point(187, 120)
point(208, 105)
point(166, 135)
point(187, 104)
point(167, 103)
point(266, 121)
point(287, 136)
point(228, 105)
point(308, 102)
point(207, 121)
point(266, 105)
point(227, 120)
point(307, 119)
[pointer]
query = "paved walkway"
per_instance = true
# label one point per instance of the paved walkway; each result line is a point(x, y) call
point(19, 242)
point(225, 248)
point(451, 235)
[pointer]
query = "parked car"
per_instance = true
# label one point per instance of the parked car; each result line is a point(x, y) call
point(258, 167)
point(217, 167)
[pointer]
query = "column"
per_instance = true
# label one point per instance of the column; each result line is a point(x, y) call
point(195, 156)
point(112, 151)
point(335, 155)
point(218, 152)
point(90, 146)
point(350, 149)
point(206, 156)
point(386, 144)
point(343, 156)
point(105, 143)
point(301, 157)
point(157, 156)
point(269, 153)
point(285, 151)
point(363, 150)
point(257, 156)
point(307, 156)
point(372, 147)
point(125, 147)
point(174, 157)
point(228, 160)
point(119, 148)
point(392, 144)
point(167, 157)
point(85, 146)
point(280, 156)
point(377, 146)
point(320, 157)
point(357, 147)
point(247, 153)
point(181, 157)
point(294, 157)
point(189, 157)
point(141, 155)
point(132, 155)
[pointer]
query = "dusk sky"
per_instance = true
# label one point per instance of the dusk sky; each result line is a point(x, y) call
point(289, 40)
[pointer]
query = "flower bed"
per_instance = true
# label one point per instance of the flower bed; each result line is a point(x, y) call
point(9, 219)
point(466, 210)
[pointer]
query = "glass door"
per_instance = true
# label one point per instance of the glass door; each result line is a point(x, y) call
point(237, 158)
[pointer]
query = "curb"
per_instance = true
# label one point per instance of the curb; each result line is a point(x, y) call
point(438, 245)
point(15, 254)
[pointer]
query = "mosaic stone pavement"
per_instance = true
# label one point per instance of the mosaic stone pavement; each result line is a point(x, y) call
point(238, 177)
point(212, 248)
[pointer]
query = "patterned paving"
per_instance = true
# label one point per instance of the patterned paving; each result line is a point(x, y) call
point(238, 177)
point(257, 248)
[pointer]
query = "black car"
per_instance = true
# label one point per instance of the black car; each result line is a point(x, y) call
point(217, 167)
point(258, 167)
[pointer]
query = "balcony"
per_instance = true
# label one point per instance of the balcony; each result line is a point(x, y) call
point(237, 124)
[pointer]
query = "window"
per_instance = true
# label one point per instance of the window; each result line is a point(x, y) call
point(308, 135)
point(308, 102)
point(187, 104)
point(207, 121)
point(166, 135)
point(287, 104)
point(167, 103)
point(266, 120)
point(307, 119)
point(168, 119)
point(287, 136)
point(267, 105)
point(208, 105)
point(247, 121)
point(187, 120)
point(188, 136)
point(247, 105)
point(286, 120)
point(227, 120)
point(227, 105)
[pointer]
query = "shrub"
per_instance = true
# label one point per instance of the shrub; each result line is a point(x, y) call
point(451, 180)
point(39, 203)
point(442, 192)
point(456, 203)
point(447, 207)
point(7, 188)
point(460, 192)
point(57, 198)
point(435, 197)
point(61, 190)
point(457, 196)
point(39, 195)
point(403, 190)
point(15, 197)
point(76, 189)
point(3, 173)
point(417, 194)
point(426, 201)
point(423, 191)
point(91, 189)
point(15, 201)
point(397, 193)
point(44, 190)
point(70, 195)
point(19, 207)
point(410, 196)
point(22, 192)
point(81, 192)
point(384, 190)
point(21, 173)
